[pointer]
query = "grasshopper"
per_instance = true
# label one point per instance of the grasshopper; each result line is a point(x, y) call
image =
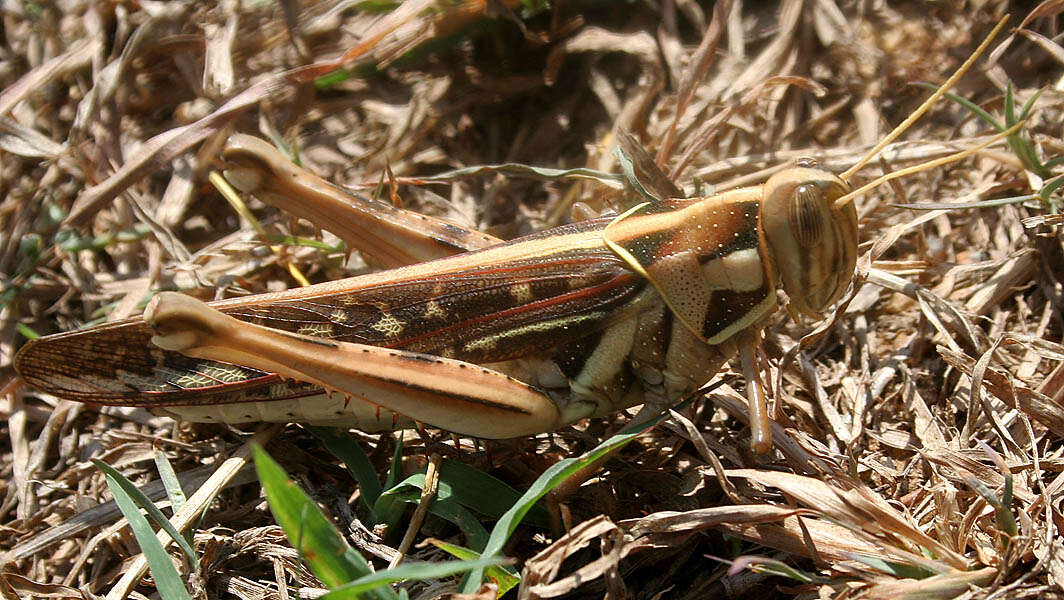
point(487, 338)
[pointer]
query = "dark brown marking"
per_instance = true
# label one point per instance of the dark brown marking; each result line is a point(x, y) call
point(571, 357)
point(726, 307)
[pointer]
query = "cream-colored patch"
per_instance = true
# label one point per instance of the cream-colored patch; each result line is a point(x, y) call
point(245, 179)
point(338, 316)
point(576, 283)
point(547, 374)
point(316, 329)
point(434, 310)
point(604, 364)
point(521, 292)
point(680, 281)
point(192, 380)
point(177, 341)
point(223, 373)
point(388, 325)
point(486, 343)
point(689, 362)
point(739, 271)
point(489, 342)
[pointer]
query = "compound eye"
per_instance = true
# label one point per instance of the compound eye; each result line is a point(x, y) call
point(807, 215)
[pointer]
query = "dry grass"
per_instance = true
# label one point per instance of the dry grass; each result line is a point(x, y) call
point(939, 384)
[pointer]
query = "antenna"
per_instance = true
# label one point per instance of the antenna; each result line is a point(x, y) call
point(945, 160)
point(919, 112)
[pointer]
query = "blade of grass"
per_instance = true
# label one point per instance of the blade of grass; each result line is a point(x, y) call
point(630, 178)
point(771, 566)
point(293, 240)
point(504, 576)
point(331, 559)
point(171, 483)
point(444, 506)
point(71, 241)
point(163, 571)
point(193, 509)
point(1006, 521)
point(1017, 142)
point(968, 104)
point(408, 571)
point(1029, 105)
point(136, 496)
point(486, 494)
point(1049, 187)
point(26, 331)
point(389, 513)
point(1055, 162)
point(906, 571)
point(344, 447)
point(550, 479)
point(460, 487)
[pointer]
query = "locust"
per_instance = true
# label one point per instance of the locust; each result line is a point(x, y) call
point(474, 335)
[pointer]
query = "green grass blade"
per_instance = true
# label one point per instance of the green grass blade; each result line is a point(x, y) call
point(486, 494)
point(137, 497)
point(415, 571)
point(171, 483)
point(1010, 106)
point(1047, 191)
point(26, 331)
point(1029, 105)
point(344, 447)
point(972, 107)
point(163, 571)
point(1018, 142)
point(294, 240)
point(453, 512)
point(378, 192)
point(1021, 147)
point(550, 479)
point(630, 178)
point(331, 559)
point(505, 576)
point(464, 487)
point(1006, 521)
point(395, 471)
point(761, 564)
point(907, 571)
point(388, 511)
point(1004, 517)
point(444, 506)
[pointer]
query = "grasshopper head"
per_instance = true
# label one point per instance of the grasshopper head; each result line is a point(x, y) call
point(812, 242)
